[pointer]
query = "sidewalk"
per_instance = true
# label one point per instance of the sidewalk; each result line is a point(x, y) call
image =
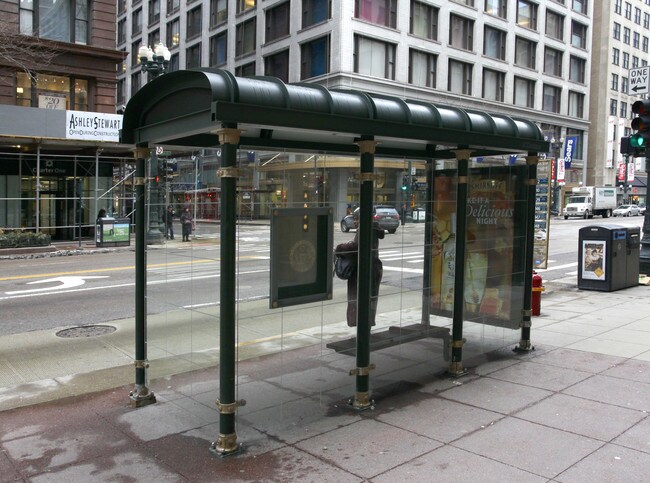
point(575, 409)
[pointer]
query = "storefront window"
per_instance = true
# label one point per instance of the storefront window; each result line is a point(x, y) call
point(51, 92)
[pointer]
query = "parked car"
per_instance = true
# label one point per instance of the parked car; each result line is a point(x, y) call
point(386, 216)
point(627, 210)
point(642, 208)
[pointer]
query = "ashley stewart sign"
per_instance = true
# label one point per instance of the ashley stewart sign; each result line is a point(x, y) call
point(93, 126)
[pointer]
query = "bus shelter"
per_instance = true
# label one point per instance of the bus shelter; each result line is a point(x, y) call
point(479, 219)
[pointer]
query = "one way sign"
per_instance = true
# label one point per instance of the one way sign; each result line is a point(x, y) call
point(639, 79)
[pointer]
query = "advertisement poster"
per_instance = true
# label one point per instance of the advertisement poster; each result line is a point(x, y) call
point(495, 239)
point(593, 260)
point(542, 214)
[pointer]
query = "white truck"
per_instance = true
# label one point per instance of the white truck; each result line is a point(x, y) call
point(587, 201)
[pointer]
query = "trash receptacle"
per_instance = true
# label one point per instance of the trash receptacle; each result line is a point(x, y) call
point(419, 215)
point(608, 257)
point(112, 232)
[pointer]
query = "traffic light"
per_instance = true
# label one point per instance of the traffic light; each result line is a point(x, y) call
point(404, 183)
point(641, 139)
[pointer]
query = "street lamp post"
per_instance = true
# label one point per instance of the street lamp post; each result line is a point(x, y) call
point(154, 62)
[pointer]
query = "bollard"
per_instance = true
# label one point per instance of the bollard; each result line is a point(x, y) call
point(538, 288)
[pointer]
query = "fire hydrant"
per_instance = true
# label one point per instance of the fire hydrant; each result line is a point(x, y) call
point(538, 288)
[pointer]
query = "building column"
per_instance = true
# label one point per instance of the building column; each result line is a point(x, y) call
point(140, 395)
point(457, 341)
point(524, 343)
point(226, 444)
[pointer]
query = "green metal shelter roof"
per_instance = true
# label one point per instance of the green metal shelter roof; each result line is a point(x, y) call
point(186, 108)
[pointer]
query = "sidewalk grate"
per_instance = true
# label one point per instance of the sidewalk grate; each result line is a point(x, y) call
point(86, 331)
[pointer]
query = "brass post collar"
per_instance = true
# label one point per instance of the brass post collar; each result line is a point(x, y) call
point(367, 146)
point(362, 371)
point(229, 135)
point(229, 408)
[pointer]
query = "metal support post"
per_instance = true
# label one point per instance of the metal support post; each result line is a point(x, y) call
point(644, 255)
point(456, 368)
point(155, 233)
point(140, 395)
point(362, 398)
point(524, 343)
point(226, 444)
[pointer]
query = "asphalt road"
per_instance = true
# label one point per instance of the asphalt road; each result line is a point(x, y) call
point(55, 292)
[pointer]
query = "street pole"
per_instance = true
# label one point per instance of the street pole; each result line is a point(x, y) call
point(644, 256)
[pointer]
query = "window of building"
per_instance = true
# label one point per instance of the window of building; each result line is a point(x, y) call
point(173, 6)
point(493, 85)
point(154, 11)
point(121, 6)
point(49, 91)
point(153, 38)
point(578, 35)
point(193, 56)
point(315, 58)
point(527, 14)
point(460, 77)
point(625, 85)
point(617, 6)
point(498, 8)
point(580, 6)
point(525, 53)
point(422, 68)
point(576, 104)
point(637, 15)
point(554, 25)
point(277, 65)
point(374, 57)
point(613, 107)
point(614, 85)
point(119, 92)
point(628, 10)
point(218, 12)
point(461, 32)
point(552, 97)
point(578, 153)
point(524, 92)
point(469, 3)
point(245, 37)
point(635, 62)
point(494, 43)
point(65, 20)
point(424, 20)
point(135, 47)
point(552, 62)
point(277, 22)
point(315, 11)
point(636, 40)
point(245, 70)
point(577, 68)
point(644, 44)
point(121, 31)
point(173, 33)
point(644, 62)
point(136, 22)
point(626, 35)
point(174, 63)
point(380, 12)
point(136, 83)
point(244, 5)
point(194, 22)
point(616, 33)
point(646, 20)
point(626, 60)
point(615, 56)
point(218, 49)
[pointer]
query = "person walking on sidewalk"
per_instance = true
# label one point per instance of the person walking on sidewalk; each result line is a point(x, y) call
point(186, 222)
point(169, 222)
point(377, 274)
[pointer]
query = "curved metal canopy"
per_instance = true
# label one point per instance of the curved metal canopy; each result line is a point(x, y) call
point(186, 108)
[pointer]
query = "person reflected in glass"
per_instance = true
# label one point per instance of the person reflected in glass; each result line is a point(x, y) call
point(186, 223)
point(377, 273)
point(169, 222)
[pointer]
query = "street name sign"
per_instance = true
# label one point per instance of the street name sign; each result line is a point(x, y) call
point(639, 80)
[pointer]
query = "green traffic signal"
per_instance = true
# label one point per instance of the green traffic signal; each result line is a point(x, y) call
point(637, 141)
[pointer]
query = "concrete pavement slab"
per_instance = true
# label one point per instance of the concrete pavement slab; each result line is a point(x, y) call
point(453, 464)
point(538, 375)
point(632, 370)
point(612, 390)
point(637, 437)
point(582, 416)
point(578, 360)
point(609, 463)
point(531, 447)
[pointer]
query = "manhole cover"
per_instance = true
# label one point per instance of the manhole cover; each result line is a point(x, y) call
point(86, 331)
